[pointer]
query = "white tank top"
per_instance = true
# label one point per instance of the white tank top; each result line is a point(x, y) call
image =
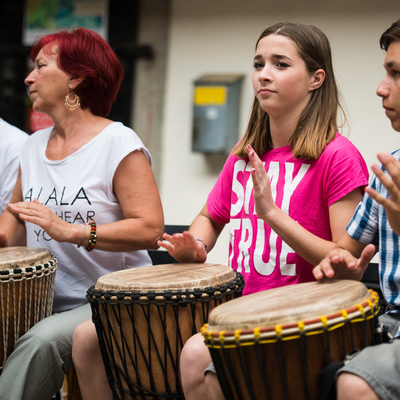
point(11, 141)
point(79, 188)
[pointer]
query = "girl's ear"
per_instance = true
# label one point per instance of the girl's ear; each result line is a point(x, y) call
point(317, 79)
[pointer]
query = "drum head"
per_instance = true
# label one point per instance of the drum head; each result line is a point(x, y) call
point(22, 257)
point(167, 277)
point(287, 305)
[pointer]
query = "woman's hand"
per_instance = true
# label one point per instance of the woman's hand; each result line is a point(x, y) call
point(184, 247)
point(264, 203)
point(39, 214)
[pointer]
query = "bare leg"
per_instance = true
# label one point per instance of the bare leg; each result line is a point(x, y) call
point(352, 387)
point(195, 358)
point(89, 364)
point(213, 387)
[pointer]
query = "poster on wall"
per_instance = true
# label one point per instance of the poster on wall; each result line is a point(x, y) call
point(46, 16)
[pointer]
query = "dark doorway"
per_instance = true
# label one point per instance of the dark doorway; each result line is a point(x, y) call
point(122, 33)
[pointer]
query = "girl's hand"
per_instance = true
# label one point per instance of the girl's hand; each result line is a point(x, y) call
point(184, 247)
point(264, 203)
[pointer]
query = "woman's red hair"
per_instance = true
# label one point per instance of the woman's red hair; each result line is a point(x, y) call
point(84, 53)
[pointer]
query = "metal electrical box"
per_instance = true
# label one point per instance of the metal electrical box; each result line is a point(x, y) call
point(216, 106)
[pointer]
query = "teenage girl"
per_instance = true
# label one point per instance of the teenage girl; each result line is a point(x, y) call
point(289, 187)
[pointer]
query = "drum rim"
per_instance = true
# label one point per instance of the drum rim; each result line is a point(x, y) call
point(233, 338)
point(159, 296)
point(47, 267)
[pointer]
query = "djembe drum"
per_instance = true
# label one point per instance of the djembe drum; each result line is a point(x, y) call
point(273, 344)
point(27, 277)
point(144, 316)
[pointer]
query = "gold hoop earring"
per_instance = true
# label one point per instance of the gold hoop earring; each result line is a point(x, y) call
point(74, 103)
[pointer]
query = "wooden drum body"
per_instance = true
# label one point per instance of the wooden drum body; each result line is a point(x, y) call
point(274, 344)
point(144, 316)
point(27, 276)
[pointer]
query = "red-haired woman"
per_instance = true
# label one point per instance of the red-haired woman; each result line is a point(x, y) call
point(85, 191)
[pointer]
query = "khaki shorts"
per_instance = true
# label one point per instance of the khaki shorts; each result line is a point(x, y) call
point(210, 368)
point(380, 365)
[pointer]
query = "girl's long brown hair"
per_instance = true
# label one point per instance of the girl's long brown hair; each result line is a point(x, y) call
point(317, 125)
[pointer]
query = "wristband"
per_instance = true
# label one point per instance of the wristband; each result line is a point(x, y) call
point(202, 241)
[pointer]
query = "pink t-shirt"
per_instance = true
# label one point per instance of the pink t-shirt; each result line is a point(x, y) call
point(302, 189)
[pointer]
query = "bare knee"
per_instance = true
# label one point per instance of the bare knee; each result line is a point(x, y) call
point(194, 359)
point(195, 351)
point(352, 387)
point(84, 342)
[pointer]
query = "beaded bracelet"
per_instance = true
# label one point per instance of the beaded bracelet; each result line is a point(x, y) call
point(93, 236)
point(202, 241)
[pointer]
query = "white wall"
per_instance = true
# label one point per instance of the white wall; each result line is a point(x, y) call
point(218, 36)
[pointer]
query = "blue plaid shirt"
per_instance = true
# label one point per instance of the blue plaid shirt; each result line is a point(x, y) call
point(370, 225)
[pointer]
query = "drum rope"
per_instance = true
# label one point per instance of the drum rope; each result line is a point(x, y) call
point(45, 286)
point(36, 283)
point(123, 351)
point(303, 355)
point(262, 368)
point(245, 373)
point(221, 365)
point(52, 280)
point(27, 304)
point(125, 354)
point(352, 336)
point(18, 305)
point(4, 317)
point(364, 333)
point(168, 352)
point(326, 344)
point(102, 343)
point(224, 367)
point(374, 328)
point(244, 337)
point(281, 357)
point(343, 341)
point(179, 339)
point(110, 348)
point(28, 301)
point(205, 307)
